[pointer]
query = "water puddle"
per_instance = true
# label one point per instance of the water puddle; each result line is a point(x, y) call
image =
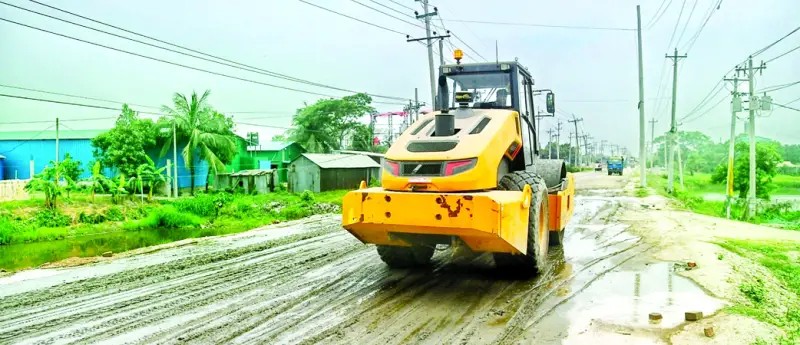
point(19, 256)
point(620, 302)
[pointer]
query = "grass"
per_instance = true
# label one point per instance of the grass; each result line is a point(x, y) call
point(781, 259)
point(25, 221)
point(642, 192)
point(778, 214)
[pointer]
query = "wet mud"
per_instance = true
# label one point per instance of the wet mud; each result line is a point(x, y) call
point(315, 283)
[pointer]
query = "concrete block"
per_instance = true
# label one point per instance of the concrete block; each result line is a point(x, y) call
point(693, 315)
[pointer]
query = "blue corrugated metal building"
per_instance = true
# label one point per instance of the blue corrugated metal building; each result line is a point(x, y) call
point(19, 148)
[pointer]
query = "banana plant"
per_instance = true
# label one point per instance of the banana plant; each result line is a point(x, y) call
point(48, 181)
point(98, 181)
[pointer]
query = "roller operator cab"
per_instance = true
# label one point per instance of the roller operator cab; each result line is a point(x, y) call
point(468, 175)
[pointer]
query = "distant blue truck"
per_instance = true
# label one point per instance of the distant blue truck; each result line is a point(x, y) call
point(615, 165)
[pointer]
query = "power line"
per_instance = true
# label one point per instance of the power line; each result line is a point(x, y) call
point(230, 63)
point(468, 46)
point(76, 96)
point(353, 18)
point(539, 25)
point(704, 113)
point(60, 119)
point(117, 109)
point(782, 55)
point(783, 106)
point(392, 9)
point(696, 35)
point(177, 64)
point(677, 22)
point(23, 142)
point(774, 43)
point(778, 87)
point(401, 5)
point(688, 20)
point(650, 22)
point(389, 15)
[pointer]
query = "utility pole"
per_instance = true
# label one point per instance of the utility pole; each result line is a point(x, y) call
point(652, 131)
point(57, 153)
point(558, 140)
point(550, 143)
point(751, 133)
point(575, 121)
point(416, 104)
point(57, 135)
point(673, 124)
point(586, 145)
point(736, 105)
point(429, 43)
point(175, 157)
point(570, 149)
point(642, 156)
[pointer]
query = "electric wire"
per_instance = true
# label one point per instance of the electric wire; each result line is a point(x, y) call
point(689, 44)
point(392, 9)
point(178, 64)
point(388, 15)
point(650, 21)
point(401, 5)
point(23, 142)
point(353, 18)
point(782, 55)
point(778, 87)
point(539, 25)
point(268, 72)
point(688, 20)
point(774, 43)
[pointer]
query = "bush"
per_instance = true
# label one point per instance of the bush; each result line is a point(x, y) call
point(50, 219)
point(114, 214)
point(96, 218)
point(202, 205)
point(295, 212)
point(8, 229)
point(166, 218)
point(307, 196)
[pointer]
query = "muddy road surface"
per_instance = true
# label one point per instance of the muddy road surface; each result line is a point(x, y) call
point(311, 282)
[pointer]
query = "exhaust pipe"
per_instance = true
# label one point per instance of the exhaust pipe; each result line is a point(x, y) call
point(445, 124)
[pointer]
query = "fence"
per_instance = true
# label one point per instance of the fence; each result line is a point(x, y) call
point(13, 190)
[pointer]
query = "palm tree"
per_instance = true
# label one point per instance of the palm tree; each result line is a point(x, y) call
point(204, 133)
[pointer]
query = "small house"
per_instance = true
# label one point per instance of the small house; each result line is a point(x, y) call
point(323, 172)
point(272, 155)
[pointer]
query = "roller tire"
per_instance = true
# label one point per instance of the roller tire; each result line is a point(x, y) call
point(535, 260)
point(405, 257)
point(556, 238)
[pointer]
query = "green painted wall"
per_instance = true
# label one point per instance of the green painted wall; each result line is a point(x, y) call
point(279, 159)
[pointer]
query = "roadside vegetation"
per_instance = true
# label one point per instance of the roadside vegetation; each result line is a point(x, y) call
point(29, 221)
point(780, 305)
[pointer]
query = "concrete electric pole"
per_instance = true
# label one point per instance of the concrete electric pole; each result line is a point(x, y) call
point(652, 131)
point(575, 121)
point(558, 140)
point(751, 133)
point(673, 124)
point(550, 143)
point(642, 155)
point(736, 105)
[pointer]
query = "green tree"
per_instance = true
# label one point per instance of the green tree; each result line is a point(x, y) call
point(361, 138)
point(123, 147)
point(207, 133)
point(320, 127)
point(767, 159)
point(71, 167)
point(791, 153)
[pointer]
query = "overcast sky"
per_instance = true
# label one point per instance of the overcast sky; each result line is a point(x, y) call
point(593, 72)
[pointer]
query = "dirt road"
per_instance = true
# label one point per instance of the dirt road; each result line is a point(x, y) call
point(311, 282)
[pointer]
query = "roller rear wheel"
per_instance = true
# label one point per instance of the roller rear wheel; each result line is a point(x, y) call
point(535, 259)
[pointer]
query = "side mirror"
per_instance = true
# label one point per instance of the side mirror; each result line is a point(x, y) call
point(551, 103)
